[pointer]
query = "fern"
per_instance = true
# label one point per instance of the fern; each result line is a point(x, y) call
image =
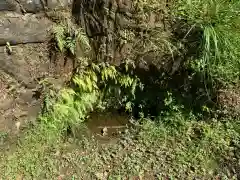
point(66, 37)
point(59, 34)
point(98, 86)
point(71, 45)
point(83, 40)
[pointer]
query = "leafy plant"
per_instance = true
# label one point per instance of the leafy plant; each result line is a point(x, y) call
point(114, 88)
point(218, 21)
point(59, 33)
point(67, 37)
point(95, 87)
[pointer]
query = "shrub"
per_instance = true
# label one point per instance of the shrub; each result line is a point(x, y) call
point(219, 22)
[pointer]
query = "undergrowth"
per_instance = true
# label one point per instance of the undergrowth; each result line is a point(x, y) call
point(219, 22)
point(67, 36)
point(98, 87)
point(174, 144)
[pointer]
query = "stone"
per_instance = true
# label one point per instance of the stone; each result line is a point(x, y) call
point(58, 4)
point(8, 5)
point(32, 6)
point(26, 63)
point(20, 29)
point(18, 124)
point(6, 104)
point(35, 6)
point(26, 96)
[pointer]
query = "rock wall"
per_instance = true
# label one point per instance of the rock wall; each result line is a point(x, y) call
point(33, 6)
point(118, 30)
point(25, 26)
point(127, 30)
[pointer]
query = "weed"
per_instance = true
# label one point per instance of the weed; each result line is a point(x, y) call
point(218, 21)
point(176, 145)
point(193, 150)
point(93, 88)
point(3, 136)
point(67, 37)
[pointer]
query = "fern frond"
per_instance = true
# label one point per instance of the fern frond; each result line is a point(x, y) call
point(59, 34)
point(83, 40)
point(71, 45)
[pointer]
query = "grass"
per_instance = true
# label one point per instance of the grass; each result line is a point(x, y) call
point(219, 22)
point(150, 150)
point(176, 145)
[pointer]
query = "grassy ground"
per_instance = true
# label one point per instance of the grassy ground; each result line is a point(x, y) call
point(218, 21)
point(149, 150)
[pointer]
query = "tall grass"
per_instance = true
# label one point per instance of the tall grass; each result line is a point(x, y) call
point(219, 22)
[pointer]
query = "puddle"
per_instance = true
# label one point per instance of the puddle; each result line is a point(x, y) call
point(107, 126)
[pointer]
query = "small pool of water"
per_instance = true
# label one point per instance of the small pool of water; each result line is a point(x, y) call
point(108, 125)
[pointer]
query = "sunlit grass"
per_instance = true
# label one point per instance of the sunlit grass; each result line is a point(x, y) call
point(219, 21)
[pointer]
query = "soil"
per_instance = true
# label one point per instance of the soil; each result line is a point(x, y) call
point(229, 101)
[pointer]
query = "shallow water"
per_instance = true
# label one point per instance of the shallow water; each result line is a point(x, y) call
point(113, 123)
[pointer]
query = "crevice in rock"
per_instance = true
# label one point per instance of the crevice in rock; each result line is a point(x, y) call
point(21, 6)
